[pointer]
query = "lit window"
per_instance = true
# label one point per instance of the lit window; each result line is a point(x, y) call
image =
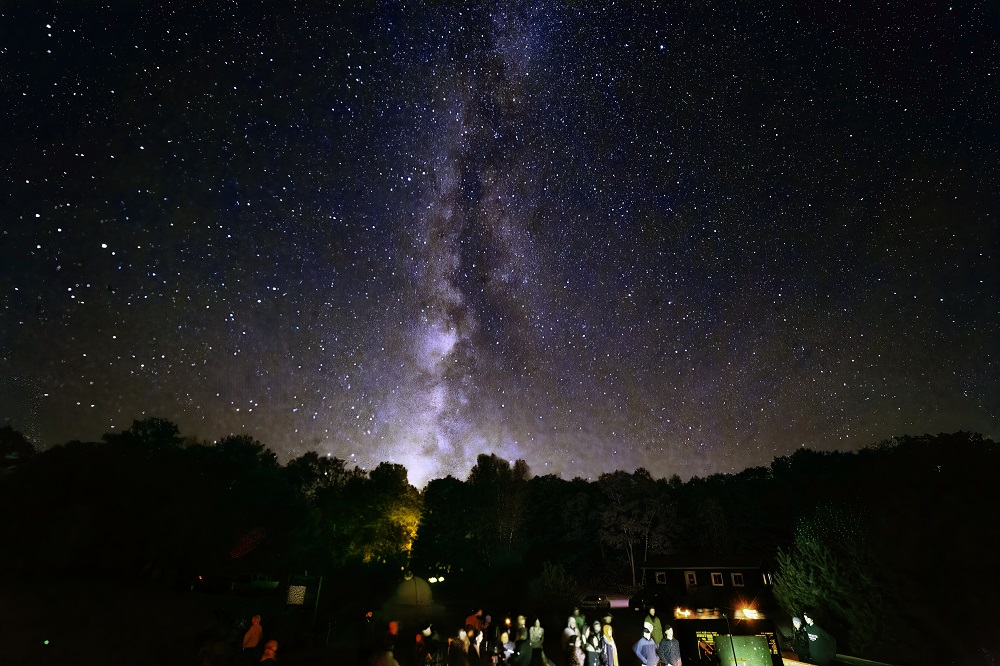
point(717, 580)
point(737, 580)
point(691, 578)
point(661, 578)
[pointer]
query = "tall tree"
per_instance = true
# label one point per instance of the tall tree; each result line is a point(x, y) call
point(444, 539)
point(499, 495)
point(311, 473)
point(634, 517)
point(829, 567)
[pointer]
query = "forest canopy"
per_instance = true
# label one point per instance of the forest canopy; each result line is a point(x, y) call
point(879, 540)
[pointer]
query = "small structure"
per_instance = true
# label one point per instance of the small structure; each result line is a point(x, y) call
point(413, 591)
point(412, 601)
point(718, 582)
point(719, 605)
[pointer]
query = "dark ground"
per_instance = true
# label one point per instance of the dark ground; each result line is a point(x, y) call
point(129, 622)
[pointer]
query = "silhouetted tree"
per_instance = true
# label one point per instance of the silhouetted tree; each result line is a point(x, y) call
point(498, 498)
point(633, 517)
point(311, 473)
point(14, 448)
point(444, 539)
point(155, 433)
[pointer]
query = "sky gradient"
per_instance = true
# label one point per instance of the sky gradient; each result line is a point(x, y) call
point(688, 237)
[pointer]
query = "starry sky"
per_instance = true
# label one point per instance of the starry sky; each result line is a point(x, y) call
point(686, 236)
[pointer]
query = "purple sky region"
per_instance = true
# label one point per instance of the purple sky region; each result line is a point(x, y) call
point(685, 237)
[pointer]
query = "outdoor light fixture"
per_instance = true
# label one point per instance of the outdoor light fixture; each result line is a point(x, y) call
point(745, 613)
point(681, 613)
point(432, 579)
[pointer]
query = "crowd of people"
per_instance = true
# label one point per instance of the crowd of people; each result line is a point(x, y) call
point(479, 641)
point(514, 642)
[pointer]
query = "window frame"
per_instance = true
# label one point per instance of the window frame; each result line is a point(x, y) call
point(739, 580)
point(717, 576)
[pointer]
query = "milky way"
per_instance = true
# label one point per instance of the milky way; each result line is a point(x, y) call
point(689, 238)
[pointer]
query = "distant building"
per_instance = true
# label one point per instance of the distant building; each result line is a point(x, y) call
point(709, 585)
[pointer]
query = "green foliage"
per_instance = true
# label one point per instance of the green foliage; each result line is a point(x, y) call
point(829, 567)
point(554, 588)
point(371, 519)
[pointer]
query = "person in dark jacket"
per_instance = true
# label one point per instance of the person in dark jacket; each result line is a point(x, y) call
point(458, 646)
point(669, 649)
point(822, 646)
point(522, 649)
point(592, 644)
point(800, 640)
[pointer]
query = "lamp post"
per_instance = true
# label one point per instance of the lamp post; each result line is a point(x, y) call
point(732, 640)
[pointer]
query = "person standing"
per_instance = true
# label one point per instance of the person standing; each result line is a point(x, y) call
point(251, 641)
point(458, 649)
point(475, 638)
point(669, 649)
point(536, 636)
point(609, 651)
point(569, 633)
point(645, 648)
point(822, 646)
point(800, 640)
point(475, 620)
point(592, 644)
point(506, 648)
point(571, 643)
point(270, 652)
point(657, 632)
point(522, 649)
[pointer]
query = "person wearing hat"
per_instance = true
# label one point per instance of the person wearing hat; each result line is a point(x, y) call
point(822, 646)
point(669, 649)
point(645, 648)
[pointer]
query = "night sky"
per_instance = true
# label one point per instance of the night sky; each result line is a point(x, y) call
point(686, 236)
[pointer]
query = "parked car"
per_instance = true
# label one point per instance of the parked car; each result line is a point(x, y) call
point(658, 599)
point(595, 601)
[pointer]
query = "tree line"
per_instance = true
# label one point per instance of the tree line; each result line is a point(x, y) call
point(890, 543)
